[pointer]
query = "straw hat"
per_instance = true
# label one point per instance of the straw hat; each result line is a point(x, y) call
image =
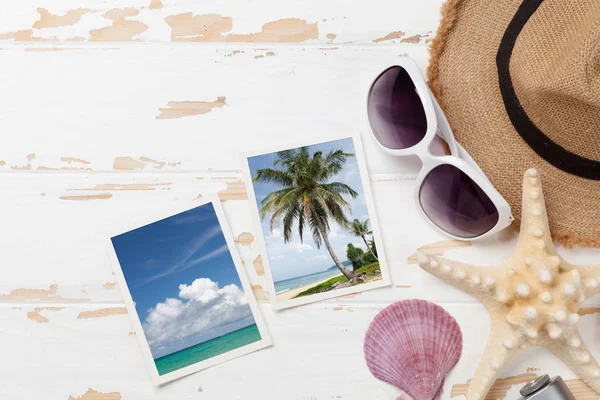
point(519, 81)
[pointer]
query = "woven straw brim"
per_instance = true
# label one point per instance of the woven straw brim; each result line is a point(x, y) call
point(463, 76)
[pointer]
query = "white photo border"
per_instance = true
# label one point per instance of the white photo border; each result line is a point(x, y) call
point(260, 237)
point(134, 317)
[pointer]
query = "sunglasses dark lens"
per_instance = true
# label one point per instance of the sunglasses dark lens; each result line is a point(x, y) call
point(395, 110)
point(456, 204)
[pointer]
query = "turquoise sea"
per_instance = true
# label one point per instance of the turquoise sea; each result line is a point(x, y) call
point(208, 349)
point(305, 280)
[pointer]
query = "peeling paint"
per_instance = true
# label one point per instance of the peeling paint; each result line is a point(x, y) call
point(187, 27)
point(48, 20)
point(27, 167)
point(37, 317)
point(234, 191)
point(26, 35)
point(390, 36)
point(258, 266)
point(180, 109)
point(413, 39)
point(156, 5)
point(234, 53)
point(103, 312)
point(437, 249)
point(122, 186)
point(159, 164)
point(122, 29)
point(245, 239)
point(85, 197)
point(91, 394)
point(331, 36)
point(70, 160)
point(49, 295)
point(109, 285)
point(259, 293)
point(500, 388)
point(49, 50)
point(44, 168)
point(127, 164)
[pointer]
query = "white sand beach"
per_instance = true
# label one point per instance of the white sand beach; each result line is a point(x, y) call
point(290, 294)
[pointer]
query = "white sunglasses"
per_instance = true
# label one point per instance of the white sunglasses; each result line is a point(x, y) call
point(452, 191)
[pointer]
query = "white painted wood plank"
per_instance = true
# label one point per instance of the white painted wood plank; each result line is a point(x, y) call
point(317, 355)
point(338, 21)
point(57, 224)
point(102, 110)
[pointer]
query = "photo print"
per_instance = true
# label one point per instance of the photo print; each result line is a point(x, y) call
point(188, 296)
point(314, 207)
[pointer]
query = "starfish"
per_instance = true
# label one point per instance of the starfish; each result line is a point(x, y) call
point(533, 298)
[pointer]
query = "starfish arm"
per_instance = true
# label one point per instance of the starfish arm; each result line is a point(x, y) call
point(535, 229)
point(575, 354)
point(474, 280)
point(501, 346)
point(590, 277)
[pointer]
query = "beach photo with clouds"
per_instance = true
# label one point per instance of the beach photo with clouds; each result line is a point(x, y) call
point(186, 289)
point(317, 227)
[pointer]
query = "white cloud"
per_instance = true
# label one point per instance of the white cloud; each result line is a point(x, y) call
point(275, 234)
point(280, 257)
point(302, 247)
point(203, 310)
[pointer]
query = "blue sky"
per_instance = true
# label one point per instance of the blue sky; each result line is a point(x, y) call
point(180, 273)
point(295, 258)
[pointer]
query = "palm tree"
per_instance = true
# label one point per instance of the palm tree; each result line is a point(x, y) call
point(361, 228)
point(307, 198)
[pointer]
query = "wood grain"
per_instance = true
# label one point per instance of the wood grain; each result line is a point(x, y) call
point(30, 295)
point(184, 20)
point(438, 248)
point(245, 239)
point(500, 388)
point(104, 312)
point(180, 109)
point(36, 315)
point(91, 394)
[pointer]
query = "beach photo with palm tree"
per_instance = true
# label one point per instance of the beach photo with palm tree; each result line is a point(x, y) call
point(315, 220)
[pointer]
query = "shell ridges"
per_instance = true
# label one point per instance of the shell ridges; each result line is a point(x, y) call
point(412, 344)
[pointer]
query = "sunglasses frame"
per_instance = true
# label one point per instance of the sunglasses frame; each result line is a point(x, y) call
point(437, 124)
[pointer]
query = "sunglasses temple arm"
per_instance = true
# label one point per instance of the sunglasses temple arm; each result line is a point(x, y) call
point(445, 132)
point(466, 157)
point(443, 128)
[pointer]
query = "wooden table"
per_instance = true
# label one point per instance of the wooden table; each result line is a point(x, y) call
point(111, 110)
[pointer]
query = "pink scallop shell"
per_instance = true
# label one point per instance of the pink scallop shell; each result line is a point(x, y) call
point(413, 344)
